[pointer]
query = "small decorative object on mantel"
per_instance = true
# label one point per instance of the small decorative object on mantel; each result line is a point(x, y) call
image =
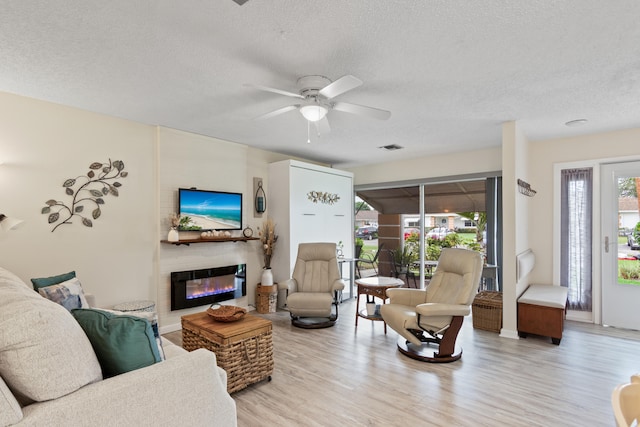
point(226, 313)
point(100, 181)
point(268, 238)
point(525, 188)
point(323, 197)
point(215, 234)
point(173, 235)
point(247, 232)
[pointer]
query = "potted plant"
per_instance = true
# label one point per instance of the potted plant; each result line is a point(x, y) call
point(404, 258)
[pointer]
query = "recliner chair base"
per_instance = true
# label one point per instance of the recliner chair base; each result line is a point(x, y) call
point(316, 322)
point(434, 348)
point(427, 352)
point(313, 322)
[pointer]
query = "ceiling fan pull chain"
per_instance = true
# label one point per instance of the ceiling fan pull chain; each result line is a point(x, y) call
point(308, 132)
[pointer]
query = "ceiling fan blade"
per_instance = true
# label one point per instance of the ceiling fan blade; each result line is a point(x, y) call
point(278, 91)
point(374, 113)
point(322, 126)
point(340, 86)
point(277, 112)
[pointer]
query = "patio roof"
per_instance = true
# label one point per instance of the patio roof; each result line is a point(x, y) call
point(462, 196)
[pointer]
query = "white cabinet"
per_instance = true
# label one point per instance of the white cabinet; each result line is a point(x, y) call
point(308, 203)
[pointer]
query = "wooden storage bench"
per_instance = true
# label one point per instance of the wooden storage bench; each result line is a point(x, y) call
point(541, 311)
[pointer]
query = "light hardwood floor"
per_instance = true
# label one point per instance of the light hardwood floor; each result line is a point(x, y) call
point(343, 376)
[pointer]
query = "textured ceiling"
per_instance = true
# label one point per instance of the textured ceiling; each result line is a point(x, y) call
point(450, 72)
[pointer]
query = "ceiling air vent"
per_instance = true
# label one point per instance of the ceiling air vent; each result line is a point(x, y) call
point(391, 147)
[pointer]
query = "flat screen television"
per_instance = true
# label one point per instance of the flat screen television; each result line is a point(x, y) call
point(209, 210)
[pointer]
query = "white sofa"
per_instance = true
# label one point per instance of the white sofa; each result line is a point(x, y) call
point(49, 374)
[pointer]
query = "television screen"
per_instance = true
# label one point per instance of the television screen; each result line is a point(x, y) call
point(209, 210)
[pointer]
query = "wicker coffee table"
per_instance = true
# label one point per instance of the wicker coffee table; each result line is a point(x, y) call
point(244, 348)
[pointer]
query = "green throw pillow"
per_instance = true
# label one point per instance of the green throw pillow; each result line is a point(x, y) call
point(43, 282)
point(122, 343)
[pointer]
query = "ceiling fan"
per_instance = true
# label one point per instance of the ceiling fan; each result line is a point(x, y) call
point(317, 93)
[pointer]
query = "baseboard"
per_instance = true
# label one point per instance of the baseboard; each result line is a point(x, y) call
point(508, 333)
point(580, 316)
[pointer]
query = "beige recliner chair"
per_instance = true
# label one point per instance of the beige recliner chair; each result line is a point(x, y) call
point(429, 320)
point(625, 401)
point(314, 288)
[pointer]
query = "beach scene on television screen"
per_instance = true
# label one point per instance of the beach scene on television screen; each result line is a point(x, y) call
point(212, 211)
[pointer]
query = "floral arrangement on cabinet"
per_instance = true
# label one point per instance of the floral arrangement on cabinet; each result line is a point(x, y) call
point(268, 237)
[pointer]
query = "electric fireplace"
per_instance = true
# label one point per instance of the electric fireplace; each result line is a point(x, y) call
point(194, 288)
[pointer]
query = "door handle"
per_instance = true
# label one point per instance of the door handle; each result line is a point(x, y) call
point(606, 244)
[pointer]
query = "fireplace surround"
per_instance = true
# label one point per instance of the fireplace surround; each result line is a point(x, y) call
point(194, 288)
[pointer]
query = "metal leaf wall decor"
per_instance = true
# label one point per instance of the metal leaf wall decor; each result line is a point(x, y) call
point(88, 195)
point(323, 197)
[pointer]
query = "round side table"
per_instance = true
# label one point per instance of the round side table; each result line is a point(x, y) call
point(374, 287)
point(148, 306)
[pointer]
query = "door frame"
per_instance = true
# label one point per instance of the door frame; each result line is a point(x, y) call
point(598, 238)
point(615, 295)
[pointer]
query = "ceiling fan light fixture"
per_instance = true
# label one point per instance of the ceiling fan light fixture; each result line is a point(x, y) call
point(313, 112)
point(391, 147)
point(576, 122)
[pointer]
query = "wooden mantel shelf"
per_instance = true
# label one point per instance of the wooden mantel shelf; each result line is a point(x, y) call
point(187, 242)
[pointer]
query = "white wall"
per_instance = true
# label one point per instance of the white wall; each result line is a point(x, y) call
point(597, 148)
point(528, 222)
point(120, 258)
point(466, 162)
point(42, 145)
point(187, 160)
point(515, 224)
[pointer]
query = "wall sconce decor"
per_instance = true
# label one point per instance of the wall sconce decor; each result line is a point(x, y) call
point(525, 188)
point(99, 182)
point(7, 223)
point(260, 199)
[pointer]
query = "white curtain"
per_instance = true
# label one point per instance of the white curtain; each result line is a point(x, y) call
point(576, 236)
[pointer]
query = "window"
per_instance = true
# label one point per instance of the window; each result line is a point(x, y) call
point(576, 204)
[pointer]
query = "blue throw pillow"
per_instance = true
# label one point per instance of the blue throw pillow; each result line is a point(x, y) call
point(68, 294)
point(121, 343)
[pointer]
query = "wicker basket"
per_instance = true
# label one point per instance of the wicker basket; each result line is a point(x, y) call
point(226, 313)
point(266, 298)
point(487, 311)
point(243, 349)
